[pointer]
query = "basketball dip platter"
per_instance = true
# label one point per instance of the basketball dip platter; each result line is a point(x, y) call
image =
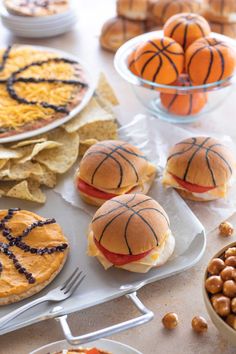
point(99, 285)
point(61, 113)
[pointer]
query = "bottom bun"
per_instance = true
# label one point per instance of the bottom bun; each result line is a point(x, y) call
point(190, 196)
point(91, 200)
point(35, 289)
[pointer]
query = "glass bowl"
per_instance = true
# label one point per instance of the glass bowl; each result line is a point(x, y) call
point(148, 92)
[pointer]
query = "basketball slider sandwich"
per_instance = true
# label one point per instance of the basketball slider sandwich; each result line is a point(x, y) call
point(111, 168)
point(200, 169)
point(131, 232)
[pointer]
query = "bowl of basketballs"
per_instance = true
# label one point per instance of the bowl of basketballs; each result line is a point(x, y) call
point(182, 72)
point(219, 291)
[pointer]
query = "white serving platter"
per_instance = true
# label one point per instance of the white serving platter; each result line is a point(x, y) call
point(103, 344)
point(58, 122)
point(100, 286)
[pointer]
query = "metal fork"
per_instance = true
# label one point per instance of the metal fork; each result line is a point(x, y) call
point(59, 294)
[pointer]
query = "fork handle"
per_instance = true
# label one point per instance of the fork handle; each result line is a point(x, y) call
point(5, 319)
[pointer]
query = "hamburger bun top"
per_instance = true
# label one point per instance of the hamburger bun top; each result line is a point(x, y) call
point(204, 161)
point(112, 164)
point(130, 224)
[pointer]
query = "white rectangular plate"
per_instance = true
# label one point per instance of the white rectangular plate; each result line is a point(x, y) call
point(100, 285)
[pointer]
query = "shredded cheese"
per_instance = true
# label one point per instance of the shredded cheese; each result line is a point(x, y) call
point(14, 114)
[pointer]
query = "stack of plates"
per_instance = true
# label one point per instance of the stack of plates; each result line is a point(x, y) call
point(39, 27)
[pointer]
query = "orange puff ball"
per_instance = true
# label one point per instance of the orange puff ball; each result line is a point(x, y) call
point(186, 28)
point(183, 104)
point(209, 60)
point(160, 60)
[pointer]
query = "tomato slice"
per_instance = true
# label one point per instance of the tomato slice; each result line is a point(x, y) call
point(120, 259)
point(92, 191)
point(194, 188)
point(93, 351)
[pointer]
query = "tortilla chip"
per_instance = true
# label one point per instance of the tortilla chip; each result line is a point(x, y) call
point(100, 130)
point(48, 178)
point(27, 191)
point(28, 142)
point(85, 145)
point(15, 171)
point(33, 150)
point(60, 159)
point(3, 163)
point(91, 113)
point(6, 154)
point(105, 91)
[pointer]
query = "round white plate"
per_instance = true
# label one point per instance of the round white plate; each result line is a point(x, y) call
point(103, 344)
point(76, 110)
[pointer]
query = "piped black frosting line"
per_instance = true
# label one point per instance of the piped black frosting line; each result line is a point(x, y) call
point(17, 242)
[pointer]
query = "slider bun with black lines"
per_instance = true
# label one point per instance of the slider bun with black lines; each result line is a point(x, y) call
point(215, 57)
point(132, 9)
point(160, 60)
point(161, 10)
point(222, 7)
point(213, 16)
point(227, 29)
point(130, 224)
point(183, 104)
point(203, 161)
point(117, 30)
point(186, 28)
point(111, 165)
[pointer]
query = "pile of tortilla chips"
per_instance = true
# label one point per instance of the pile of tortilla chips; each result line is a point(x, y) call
point(28, 165)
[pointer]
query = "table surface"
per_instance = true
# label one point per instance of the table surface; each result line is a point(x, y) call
point(181, 293)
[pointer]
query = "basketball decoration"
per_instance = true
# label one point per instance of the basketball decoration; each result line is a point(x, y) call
point(215, 58)
point(159, 60)
point(161, 10)
point(183, 104)
point(131, 63)
point(186, 28)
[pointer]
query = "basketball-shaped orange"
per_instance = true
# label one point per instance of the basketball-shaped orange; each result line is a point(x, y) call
point(131, 63)
point(183, 104)
point(209, 60)
point(186, 28)
point(160, 60)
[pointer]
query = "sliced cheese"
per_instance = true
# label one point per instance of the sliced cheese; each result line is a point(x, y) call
point(218, 192)
point(157, 257)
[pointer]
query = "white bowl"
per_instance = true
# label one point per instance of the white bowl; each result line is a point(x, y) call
point(103, 344)
point(224, 329)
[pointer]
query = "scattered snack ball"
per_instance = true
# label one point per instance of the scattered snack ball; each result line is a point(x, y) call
point(170, 320)
point(133, 10)
point(215, 58)
point(220, 284)
point(227, 29)
point(199, 324)
point(185, 28)
point(116, 31)
point(226, 229)
point(160, 60)
point(131, 63)
point(183, 104)
point(161, 10)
